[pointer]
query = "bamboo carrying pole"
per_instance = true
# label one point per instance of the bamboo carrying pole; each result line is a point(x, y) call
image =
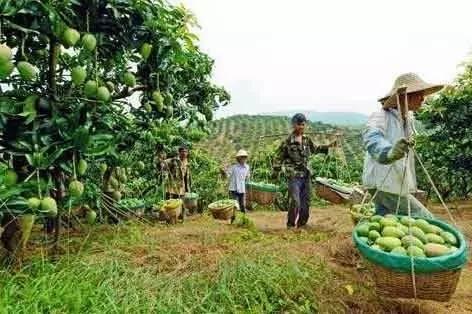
point(337, 134)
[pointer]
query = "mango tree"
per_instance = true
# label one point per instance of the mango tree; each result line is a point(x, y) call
point(81, 80)
point(445, 145)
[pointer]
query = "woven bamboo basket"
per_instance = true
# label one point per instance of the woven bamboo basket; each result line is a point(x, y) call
point(171, 213)
point(190, 201)
point(263, 197)
point(439, 286)
point(421, 196)
point(328, 194)
point(264, 194)
point(435, 278)
point(223, 213)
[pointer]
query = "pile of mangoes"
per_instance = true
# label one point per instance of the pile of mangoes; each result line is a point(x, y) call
point(407, 236)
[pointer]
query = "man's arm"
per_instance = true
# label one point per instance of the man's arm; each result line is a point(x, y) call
point(318, 149)
point(280, 157)
point(378, 147)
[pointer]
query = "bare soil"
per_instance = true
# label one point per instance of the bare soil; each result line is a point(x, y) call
point(202, 243)
point(338, 251)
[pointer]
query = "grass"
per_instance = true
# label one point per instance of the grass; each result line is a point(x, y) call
point(204, 267)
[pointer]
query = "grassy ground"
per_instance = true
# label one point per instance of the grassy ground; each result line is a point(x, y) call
point(206, 266)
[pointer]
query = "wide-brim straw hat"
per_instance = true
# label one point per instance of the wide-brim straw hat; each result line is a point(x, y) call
point(241, 153)
point(413, 84)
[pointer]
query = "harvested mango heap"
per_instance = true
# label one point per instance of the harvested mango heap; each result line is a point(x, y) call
point(363, 210)
point(269, 187)
point(172, 203)
point(131, 202)
point(222, 204)
point(339, 183)
point(406, 236)
point(191, 195)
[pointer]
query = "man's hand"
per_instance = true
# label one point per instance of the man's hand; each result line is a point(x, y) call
point(412, 141)
point(398, 150)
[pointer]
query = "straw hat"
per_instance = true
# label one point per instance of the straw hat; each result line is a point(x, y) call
point(413, 84)
point(241, 153)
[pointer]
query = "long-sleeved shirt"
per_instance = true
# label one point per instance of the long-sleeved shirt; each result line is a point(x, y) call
point(238, 176)
point(294, 155)
point(384, 128)
point(179, 179)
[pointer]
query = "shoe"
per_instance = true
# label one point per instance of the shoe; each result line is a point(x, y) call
point(301, 224)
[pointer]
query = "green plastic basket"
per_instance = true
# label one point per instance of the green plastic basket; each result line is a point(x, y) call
point(264, 187)
point(191, 196)
point(398, 263)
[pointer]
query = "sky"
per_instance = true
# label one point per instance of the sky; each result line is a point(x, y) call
point(331, 55)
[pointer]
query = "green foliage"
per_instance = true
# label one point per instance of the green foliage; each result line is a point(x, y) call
point(261, 285)
point(160, 141)
point(446, 144)
point(243, 221)
point(263, 134)
point(207, 181)
point(334, 166)
point(47, 120)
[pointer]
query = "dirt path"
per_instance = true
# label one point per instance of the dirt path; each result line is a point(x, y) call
point(337, 250)
point(201, 243)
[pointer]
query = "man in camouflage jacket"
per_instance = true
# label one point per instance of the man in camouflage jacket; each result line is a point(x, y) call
point(292, 160)
point(177, 172)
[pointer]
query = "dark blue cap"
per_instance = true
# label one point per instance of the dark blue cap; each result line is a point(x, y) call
point(298, 118)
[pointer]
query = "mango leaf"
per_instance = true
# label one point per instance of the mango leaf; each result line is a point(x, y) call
point(81, 138)
point(11, 192)
point(100, 144)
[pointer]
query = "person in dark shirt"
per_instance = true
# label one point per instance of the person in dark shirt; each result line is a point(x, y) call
point(292, 160)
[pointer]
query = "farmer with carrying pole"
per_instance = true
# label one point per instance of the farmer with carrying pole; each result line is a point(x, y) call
point(177, 175)
point(389, 167)
point(238, 175)
point(292, 160)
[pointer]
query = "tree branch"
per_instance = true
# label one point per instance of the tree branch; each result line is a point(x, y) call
point(126, 92)
point(21, 28)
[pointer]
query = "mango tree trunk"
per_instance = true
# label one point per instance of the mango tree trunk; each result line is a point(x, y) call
point(15, 236)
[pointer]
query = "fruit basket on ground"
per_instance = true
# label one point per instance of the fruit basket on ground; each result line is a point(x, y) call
point(134, 205)
point(412, 257)
point(191, 202)
point(338, 192)
point(223, 209)
point(170, 210)
point(261, 193)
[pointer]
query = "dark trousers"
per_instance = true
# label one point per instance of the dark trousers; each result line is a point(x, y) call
point(240, 198)
point(299, 211)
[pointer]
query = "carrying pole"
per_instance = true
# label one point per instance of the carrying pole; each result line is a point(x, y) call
point(305, 133)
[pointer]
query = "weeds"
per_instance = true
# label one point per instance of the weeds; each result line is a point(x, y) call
point(103, 276)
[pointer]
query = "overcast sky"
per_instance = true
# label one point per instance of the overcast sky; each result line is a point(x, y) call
point(332, 55)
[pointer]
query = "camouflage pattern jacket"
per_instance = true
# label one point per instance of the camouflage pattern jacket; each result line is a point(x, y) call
point(178, 176)
point(292, 157)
